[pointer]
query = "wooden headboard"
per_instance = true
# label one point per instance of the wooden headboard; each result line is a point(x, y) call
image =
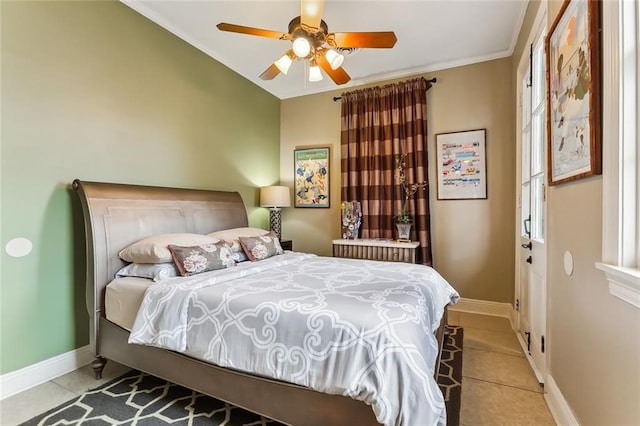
point(116, 215)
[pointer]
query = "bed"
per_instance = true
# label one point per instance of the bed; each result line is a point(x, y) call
point(117, 215)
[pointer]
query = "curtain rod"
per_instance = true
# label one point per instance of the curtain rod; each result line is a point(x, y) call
point(433, 80)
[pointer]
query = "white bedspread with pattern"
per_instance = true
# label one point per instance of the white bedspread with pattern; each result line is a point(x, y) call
point(358, 328)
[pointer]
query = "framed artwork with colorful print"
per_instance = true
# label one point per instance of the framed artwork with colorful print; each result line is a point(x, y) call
point(311, 177)
point(573, 100)
point(461, 165)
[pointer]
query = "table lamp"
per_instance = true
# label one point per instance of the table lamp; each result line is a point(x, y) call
point(275, 197)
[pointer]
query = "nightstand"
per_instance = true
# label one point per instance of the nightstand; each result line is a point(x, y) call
point(389, 250)
point(286, 245)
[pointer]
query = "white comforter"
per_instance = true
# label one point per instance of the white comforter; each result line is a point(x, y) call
point(358, 328)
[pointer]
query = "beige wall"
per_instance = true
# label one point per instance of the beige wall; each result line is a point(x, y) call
point(93, 90)
point(593, 338)
point(306, 122)
point(472, 239)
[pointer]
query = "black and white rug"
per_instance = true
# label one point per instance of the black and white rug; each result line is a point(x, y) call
point(140, 399)
point(450, 373)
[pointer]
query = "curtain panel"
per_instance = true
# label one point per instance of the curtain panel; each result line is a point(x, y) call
point(378, 125)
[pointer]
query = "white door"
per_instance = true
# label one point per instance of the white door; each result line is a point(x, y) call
point(531, 255)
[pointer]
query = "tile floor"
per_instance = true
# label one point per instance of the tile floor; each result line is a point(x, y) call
point(498, 386)
point(28, 404)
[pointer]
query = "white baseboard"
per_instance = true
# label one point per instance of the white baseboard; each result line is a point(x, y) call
point(484, 307)
point(20, 380)
point(558, 406)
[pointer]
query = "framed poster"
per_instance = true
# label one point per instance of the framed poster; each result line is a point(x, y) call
point(311, 177)
point(572, 50)
point(461, 165)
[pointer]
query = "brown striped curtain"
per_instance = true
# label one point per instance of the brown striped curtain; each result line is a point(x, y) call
point(378, 125)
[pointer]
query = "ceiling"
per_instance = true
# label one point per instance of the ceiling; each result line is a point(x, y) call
point(432, 35)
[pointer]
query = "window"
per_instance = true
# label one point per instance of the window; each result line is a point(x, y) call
point(533, 145)
point(525, 218)
point(621, 192)
point(538, 141)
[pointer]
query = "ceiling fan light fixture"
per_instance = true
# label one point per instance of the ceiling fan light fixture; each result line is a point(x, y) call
point(301, 47)
point(311, 40)
point(284, 63)
point(314, 72)
point(334, 58)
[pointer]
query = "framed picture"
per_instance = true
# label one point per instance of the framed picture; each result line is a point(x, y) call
point(311, 177)
point(572, 50)
point(461, 165)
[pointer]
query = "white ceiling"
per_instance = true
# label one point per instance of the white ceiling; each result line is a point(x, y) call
point(432, 35)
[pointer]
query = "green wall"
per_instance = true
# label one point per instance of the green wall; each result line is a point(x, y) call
point(93, 90)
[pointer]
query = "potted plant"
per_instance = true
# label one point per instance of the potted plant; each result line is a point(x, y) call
point(403, 218)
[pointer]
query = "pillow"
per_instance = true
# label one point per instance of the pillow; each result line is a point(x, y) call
point(154, 249)
point(231, 237)
point(197, 259)
point(154, 271)
point(234, 233)
point(237, 252)
point(259, 248)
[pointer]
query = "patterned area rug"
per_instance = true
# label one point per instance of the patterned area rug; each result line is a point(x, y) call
point(450, 373)
point(141, 399)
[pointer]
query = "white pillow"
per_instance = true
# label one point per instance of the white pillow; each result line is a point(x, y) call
point(154, 249)
point(232, 238)
point(154, 271)
point(235, 233)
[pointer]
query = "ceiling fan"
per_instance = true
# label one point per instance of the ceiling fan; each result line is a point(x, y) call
point(311, 40)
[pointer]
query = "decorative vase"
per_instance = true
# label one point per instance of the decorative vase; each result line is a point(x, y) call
point(404, 231)
point(351, 219)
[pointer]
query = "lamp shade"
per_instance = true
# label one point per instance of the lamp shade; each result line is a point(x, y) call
point(284, 63)
point(301, 47)
point(334, 58)
point(275, 196)
point(314, 72)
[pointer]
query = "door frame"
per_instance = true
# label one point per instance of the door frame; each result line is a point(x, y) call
point(537, 29)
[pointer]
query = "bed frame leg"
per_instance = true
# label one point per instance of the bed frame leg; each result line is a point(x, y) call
point(98, 365)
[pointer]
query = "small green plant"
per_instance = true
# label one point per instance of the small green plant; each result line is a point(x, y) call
point(403, 217)
point(407, 190)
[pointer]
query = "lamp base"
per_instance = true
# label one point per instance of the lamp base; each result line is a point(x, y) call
point(275, 221)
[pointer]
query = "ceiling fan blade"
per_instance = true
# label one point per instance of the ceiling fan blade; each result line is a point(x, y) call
point(381, 39)
point(223, 26)
point(339, 75)
point(270, 73)
point(311, 12)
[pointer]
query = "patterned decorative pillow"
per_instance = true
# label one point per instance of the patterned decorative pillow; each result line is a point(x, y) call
point(231, 237)
point(154, 271)
point(259, 248)
point(197, 259)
